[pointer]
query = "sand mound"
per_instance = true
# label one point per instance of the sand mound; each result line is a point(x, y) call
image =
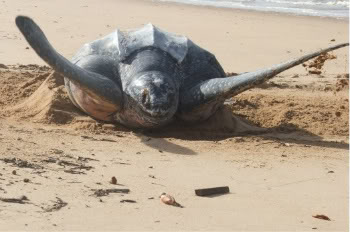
point(49, 103)
point(40, 97)
point(33, 93)
point(321, 113)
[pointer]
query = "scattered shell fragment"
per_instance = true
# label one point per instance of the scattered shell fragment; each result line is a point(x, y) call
point(169, 200)
point(321, 216)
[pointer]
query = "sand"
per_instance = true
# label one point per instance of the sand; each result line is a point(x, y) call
point(281, 148)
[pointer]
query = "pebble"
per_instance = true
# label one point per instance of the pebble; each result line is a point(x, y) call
point(113, 180)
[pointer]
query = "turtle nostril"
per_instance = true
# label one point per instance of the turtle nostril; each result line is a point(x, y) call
point(145, 97)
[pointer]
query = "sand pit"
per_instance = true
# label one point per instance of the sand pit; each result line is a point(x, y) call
point(312, 108)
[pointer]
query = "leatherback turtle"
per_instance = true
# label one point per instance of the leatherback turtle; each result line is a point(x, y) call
point(147, 77)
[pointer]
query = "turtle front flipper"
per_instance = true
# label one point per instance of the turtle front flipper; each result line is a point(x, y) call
point(210, 94)
point(94, 84)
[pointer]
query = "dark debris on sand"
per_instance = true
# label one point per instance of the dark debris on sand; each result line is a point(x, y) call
point(20, 200)
point(105, 192)
point(20, 163)
point(58, 204)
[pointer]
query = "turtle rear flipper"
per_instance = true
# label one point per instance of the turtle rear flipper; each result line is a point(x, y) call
point(211, 93)
point(93, 83)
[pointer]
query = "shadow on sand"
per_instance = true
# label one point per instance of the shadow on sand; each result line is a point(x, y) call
point(225, 124)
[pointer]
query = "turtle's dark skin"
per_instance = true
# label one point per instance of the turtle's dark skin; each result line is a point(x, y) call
point(147, 77)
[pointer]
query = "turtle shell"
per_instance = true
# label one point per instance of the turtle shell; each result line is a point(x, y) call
point(195, 63)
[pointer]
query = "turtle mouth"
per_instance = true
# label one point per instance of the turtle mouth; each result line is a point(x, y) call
point(160, 107)
point(157, 113)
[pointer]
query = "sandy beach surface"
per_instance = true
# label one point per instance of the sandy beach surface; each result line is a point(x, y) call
point(288, 174)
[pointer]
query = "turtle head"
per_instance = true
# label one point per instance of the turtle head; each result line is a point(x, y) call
point(155, 96)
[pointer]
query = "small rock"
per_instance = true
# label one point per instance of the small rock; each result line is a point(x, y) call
point(332, 40)
point(26, 180)
point(113, 180)
point(14, 172)
point(330, 171)
point(27, 47)
point(338, 114)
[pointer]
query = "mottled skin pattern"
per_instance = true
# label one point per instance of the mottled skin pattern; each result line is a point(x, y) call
point(147, 77)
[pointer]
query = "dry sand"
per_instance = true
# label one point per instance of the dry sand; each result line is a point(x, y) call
point(282, 148)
